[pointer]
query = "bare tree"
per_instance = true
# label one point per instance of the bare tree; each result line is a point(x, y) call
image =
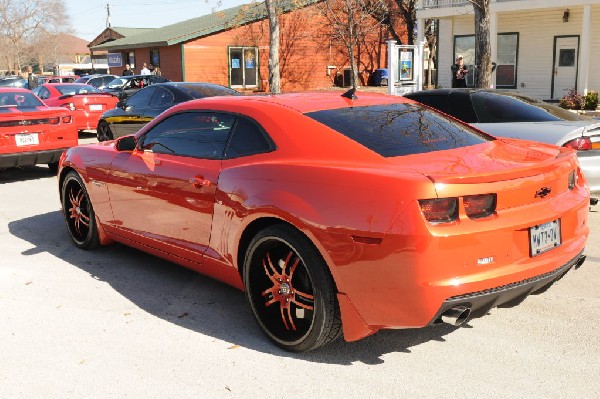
point(274, 76)
point(397, 16)
point(22, 21)
point(349, 22)
point(483, 48)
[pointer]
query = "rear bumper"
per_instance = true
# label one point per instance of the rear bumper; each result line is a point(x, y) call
point(508, 295)
point(30, 158)
point(589, 162)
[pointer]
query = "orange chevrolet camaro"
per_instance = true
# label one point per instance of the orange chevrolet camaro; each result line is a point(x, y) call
point(336, 215)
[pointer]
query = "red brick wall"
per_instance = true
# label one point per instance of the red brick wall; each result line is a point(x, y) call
point(170, 61)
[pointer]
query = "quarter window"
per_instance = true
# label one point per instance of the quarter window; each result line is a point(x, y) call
point(141, 98)
point(248, 139)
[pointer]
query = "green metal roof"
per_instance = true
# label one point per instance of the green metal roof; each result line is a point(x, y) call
point(195, 28)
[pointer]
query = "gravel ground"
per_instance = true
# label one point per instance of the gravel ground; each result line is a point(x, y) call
point(116, 323)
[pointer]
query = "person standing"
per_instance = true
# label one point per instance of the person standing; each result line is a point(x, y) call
point(459, 73)
point(127, 71)
point(145, 70)
point(32, 80)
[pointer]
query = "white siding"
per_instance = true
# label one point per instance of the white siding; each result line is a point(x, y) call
point(537, 30)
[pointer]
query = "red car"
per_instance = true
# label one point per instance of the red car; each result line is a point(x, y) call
point(87, 102)
point(31, 132)
point(336, 215)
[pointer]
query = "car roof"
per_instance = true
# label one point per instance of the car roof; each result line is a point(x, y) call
point(4, 89)
point(302, 102)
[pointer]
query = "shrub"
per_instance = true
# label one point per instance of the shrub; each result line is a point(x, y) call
point(591, 100)
point(573, 100)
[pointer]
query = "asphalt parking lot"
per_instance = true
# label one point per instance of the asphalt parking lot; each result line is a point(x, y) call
point(117, 323)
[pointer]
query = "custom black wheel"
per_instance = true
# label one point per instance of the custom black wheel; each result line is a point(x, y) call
point(290, 290)
point(78, 212)
point(103, 132)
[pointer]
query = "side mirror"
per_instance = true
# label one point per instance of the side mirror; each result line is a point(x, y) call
point(127, 143)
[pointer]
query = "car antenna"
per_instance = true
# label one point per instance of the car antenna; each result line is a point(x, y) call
point(350, 94)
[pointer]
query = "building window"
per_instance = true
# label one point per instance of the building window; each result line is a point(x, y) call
point(154, 57)
point(465, 46)
point(506, 70)
point(131, 59)
point(243, 66)
point(507, 57)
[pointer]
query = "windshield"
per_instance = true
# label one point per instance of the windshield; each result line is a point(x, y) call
point(116, 83)
point(515, 107)
point(73, 89)
point(19, 99)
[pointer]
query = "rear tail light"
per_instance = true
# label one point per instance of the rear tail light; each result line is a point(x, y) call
point(66, 119)
point(579, 144)
point(54, 120)
point(480, 206)
point(573, 180)
point(440, 210)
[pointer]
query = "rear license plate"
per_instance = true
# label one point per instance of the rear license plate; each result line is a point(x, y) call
point(96, 107)
point(544, 237)
point(27, 139)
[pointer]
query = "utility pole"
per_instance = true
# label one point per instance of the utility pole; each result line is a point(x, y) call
point(108, 15)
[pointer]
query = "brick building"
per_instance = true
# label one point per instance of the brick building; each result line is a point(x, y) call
point(231, 48)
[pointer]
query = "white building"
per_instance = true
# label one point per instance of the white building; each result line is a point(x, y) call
point(541, 47)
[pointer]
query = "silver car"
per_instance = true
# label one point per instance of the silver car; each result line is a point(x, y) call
point(510, 114)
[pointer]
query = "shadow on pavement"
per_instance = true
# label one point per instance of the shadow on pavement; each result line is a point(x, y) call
point(195, 302)
point(24, 173)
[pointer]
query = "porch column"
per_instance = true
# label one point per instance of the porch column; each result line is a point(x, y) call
point(584, 50)
point(420, 24)
point(494, 42)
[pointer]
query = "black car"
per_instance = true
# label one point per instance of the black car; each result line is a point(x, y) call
point(149, 102)
point(124, 86)
point(97, 80)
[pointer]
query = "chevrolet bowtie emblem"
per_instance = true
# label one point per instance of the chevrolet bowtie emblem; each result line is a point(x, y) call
point(542, 192)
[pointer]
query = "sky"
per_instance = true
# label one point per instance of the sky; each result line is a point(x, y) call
point(88, 17)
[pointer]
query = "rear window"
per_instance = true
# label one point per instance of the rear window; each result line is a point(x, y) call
point(73, 89)
point(496, 108)
point(393, 130)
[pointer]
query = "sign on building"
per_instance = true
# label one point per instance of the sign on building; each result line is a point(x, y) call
point(115, 59)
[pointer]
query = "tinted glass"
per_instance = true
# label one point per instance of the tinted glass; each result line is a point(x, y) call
point(141, 98)
point(190, 134)
point(116, 83)
point(206, 90)
point(399, 129)
point(495, 108)
point(75, 89)
point(461, 108)
point(162, 98)
point(437, 101)
point(41, 92)
point(247, 139)
point(19, 99)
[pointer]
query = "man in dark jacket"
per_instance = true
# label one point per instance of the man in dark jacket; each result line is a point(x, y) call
point(127, 71)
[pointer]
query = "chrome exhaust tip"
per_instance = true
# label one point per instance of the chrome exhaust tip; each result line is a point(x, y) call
point(456, 316)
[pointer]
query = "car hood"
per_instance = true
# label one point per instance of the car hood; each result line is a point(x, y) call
point(554, 132)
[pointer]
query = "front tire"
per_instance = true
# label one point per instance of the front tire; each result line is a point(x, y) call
point(103, 132)
point(79, 213)
point(290, 290)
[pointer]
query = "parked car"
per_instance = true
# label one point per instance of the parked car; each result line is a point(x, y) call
point(30, 132)
point(124, 86)
point(510, 114)
point(147, 103)
point(57, 79)
point(86, 102)
point(97, 80)
point(334, 213)
point(13, 81)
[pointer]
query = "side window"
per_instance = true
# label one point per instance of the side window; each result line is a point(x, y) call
point(247, 139)
point(461, 108)
point(161, 98)
point(42, 92)
point(106, 80)
point(96, 82)
point(141, 98)
point(190, 134)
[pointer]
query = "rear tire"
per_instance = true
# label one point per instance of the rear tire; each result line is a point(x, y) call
point(79, 213)
point(290, 290)
point(103, 132)
point(53, 166)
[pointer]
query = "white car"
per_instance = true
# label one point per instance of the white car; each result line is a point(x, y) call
point(510, 114)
